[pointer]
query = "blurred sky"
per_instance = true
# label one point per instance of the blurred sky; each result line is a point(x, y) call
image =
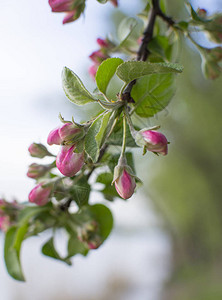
point(34, 48)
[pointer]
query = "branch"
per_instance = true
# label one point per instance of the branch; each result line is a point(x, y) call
point(143, 51)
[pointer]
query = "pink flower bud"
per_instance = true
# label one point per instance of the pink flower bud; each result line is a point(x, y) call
point(69, 162)
point(37, 171)
point(102, 43)
point(54, 137)
point(98, 56)
point(202, 12)
point(38, 150)
point(153, 141)
point(61, 5)
point(70, 17)
point(69, 131)
point(40, 194)
point(125, 184)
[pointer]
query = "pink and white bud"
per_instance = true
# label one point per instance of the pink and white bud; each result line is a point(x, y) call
point(125, 184)
point(37, 171)
point(38, 150)
point(69, 162)
point(61, 5)
point(54, 137)
point(154, 141)
point(69, 131)
point(98, 56)
point(40, 194)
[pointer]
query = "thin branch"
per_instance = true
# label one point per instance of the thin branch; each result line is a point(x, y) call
point(143, 51)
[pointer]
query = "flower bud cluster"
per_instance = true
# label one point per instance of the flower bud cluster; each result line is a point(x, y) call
point(72, 8)
point(100, 55)
point(68, 161)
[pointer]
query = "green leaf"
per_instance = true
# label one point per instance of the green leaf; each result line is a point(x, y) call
point(74, 88)
point(95, 135)
point(104, 217)
point(116, 138)
point(153, 93)
point(80, 191)
point(13, 241)
point(48, 249)
point(76, 247)
point(126, 28)
point(131, 70)
point(102, 1)
point(108, 190)
point(106, 71)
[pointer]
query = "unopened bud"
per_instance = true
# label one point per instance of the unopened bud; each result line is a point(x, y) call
point(125, 184)
point(69, 162)
point(98, 56)
point(70, 131)
point(37, 171)
point(38, 150)
point(54, 137)
point(40, 194)
point(152, 140)
point(61, 5)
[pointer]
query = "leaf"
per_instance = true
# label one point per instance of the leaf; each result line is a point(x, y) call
point(80, 191)
point(102, 1)
point(106, 71)
point(131, 70)
point(126, 28)
point(74, 88)
point(116, 138)
point(95, 135)
point(12, 252)
point(108, 190)
point(104, 218)
point(153, 93)
point(48, 249)
point(75, 246)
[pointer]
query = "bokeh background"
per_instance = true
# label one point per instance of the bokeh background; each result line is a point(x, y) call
point(166, 243)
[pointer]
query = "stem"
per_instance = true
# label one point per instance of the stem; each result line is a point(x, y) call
point(124, 137)
point(130, 123)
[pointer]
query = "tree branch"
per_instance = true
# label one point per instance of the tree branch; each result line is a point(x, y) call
point(143, 51)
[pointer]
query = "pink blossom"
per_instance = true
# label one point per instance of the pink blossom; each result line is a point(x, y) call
point(54, 137)
point(125, 184)
point(61, 5)
point(155, 141)
point(69, 162)
point(40, 194)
